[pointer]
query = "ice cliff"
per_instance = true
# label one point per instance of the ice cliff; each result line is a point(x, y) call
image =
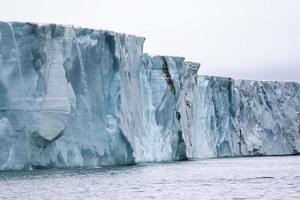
point(75, 97)
point(242, 117)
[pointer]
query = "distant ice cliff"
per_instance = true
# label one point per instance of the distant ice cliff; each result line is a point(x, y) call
point(75, 97)
point(242, 117)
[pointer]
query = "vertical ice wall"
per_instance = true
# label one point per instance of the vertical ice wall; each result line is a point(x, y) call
point(161, 139)
point(34, 92)
point(165, 83)
point(61, 95)
point(240, 118)
point(269, 117)
point(73, 97)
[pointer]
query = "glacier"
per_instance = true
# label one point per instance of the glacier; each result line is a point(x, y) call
point(77, 97)
point(245, 118)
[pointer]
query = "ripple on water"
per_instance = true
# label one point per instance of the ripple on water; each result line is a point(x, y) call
point(239, 178)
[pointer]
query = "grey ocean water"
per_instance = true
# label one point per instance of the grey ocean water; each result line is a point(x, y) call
point(231, 178)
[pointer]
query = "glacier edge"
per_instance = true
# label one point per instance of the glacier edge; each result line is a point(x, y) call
point(77, 97)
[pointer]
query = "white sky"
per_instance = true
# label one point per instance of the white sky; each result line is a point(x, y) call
point(251, 39)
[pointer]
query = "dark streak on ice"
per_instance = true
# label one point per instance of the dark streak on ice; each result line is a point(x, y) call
point(168, 75)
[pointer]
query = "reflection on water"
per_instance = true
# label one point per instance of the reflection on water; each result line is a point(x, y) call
point(233, 178)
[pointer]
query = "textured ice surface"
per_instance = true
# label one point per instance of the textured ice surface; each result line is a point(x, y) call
point(241, 117)
point(62, 95)
point(160, 82)
point(75, 97)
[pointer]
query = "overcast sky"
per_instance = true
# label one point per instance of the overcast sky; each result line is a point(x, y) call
point(251, 39)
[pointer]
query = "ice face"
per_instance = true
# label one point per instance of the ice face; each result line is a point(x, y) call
point(61, 99)
point(75, 97)
point(214, 115)
point(269, 117)
point(162, 79)
point(241, 117)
